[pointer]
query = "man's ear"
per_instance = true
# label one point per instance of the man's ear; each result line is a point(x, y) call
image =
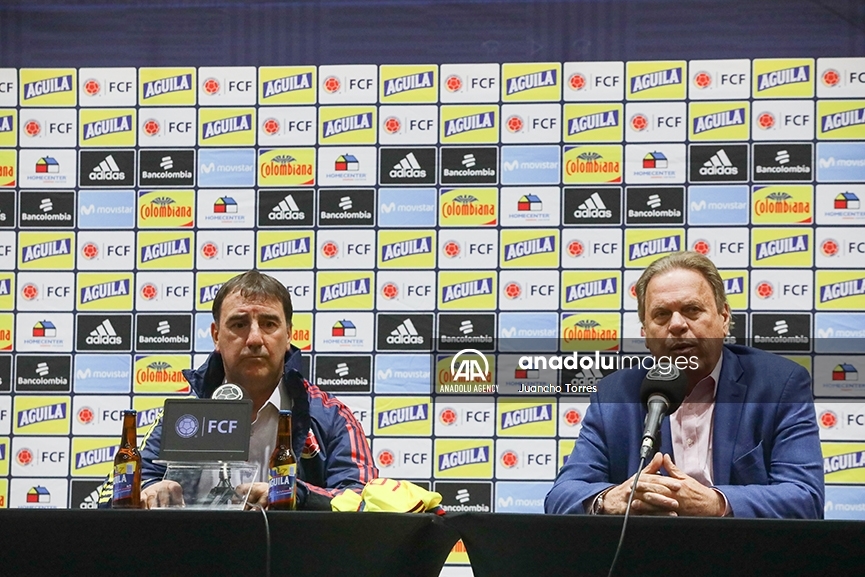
point(214, 334)
point(288, 342)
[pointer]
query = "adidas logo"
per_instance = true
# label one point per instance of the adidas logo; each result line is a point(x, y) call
point(408, 167)
point(405, 334)
point(589, 377)
point(107, 170)
point(104, 334)
point(719, 164)
point(46, 205)
point(287, 209)
point(593, 207)
point(91, 501)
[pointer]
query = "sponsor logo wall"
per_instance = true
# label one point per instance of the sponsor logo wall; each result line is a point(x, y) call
point(413, 211)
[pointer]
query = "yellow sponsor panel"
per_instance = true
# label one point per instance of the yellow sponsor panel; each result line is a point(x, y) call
point(592, 164)
point(414, 83)
point(4, 497)
point(161, 374)
point(5, 448)
point(783, 78)
point(165, 250)
point(468, 206)
point(286, 167)
point(166, 208)
point(48, 87)
point(464, 458)
point(7, 291)
point(593, 123)
point(46, 250)
point(166, 86)
point(840, 290)
point(841, 119)
point(48, 415)
point(566, 447)
point(207, 284)
point(646, 246)
point(104, 291)
point(404, 249)
point(149, 409)
point(286, 85)
point(301, 331)
point(285, 249)
point(459, 554)
point(93, 456)
point(782, 204)
point(7, 332)
point(657, 80)
point(455, 377)
point(350, 290)
point(782, 247)
point(591, 331)
point(719, 120)
point(844, 463)
point(526, 417)
point(532, 82)
point(8, 168)
point(475, 124)
point(529, 248)
point(106, 127)
point(8, 128)
point(226, 126)
point(802, 360)
point(402, 416)
point(471, 290)
point(591, 290)
point(347, 125)
point(736, 286)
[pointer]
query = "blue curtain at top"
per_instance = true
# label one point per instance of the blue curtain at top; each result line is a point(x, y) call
point(36, 33)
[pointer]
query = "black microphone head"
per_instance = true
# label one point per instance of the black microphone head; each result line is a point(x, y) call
point(666, 380)
point(229, 392)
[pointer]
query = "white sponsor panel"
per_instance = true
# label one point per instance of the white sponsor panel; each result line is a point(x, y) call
point(287, 126)
point(526, 459)
point(469, 83)
point(528, 290)
point(106, 250)
point(840, 77)
point(843, 421)
point(655, 122)
point(840, 204)
point(361, 408)
point(403, 458)
point(838, 376)
point(44, 332)
point(839, 247)
point(531, 123)
point(225, 208)
point(781, 290)
point(39, 456)
point(301, 286)
point(226, 85)
point(408, 124)
point(719, 79)
point(5, 413)
point(46, 291)
point(633, 339)
point(629, 293)
point(348, 84)
point(102, 87)
point(591, 248)
point(782, 120)
point(166, 127)
point(344, 332)
point(464, 417)
point(655, 163)
point(727, 248)
point(99, 415)
point(47, 168)
point(571, 415)
point(225, 250)
point(415, 290)
point(8, 246)
point(8, 86)
point(468, 249)
point(593, 81)
point(347, 166)
point(47, 128)
point(164, 291)
point(39, 493)
point(345, 249)
point(535, 206)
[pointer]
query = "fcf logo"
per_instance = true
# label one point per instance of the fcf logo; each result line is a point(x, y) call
point(469, 368)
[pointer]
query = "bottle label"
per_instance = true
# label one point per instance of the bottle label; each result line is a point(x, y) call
point(282, 483)
point(124, 476)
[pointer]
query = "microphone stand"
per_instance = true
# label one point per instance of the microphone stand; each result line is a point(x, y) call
point(223, 493)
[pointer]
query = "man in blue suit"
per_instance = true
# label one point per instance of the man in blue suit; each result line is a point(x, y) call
point(745, 441)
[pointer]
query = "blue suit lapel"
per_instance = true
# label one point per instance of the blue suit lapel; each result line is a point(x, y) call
point(729, 402)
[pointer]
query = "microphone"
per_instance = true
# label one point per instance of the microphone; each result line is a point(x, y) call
point(229, 392)
point(662, 391)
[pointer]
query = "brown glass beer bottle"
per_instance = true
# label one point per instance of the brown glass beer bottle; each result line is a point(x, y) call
point(282, 478)
point(127, 468)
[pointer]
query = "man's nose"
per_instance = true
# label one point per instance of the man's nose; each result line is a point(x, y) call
point(254, 338)
point(678, 323)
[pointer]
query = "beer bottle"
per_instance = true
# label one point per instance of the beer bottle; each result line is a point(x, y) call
point(127, 468)
point(281, 494)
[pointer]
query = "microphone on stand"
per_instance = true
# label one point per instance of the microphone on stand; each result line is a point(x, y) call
point(223, 493)
point(662, 392)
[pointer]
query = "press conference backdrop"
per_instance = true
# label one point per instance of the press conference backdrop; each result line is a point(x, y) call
point(418, 192)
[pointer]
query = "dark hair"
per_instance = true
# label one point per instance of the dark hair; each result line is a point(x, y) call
point(687, 260)
point(255, 286)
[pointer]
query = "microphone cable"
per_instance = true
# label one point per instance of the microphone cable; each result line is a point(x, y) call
point(627, 515)
point(266, 539)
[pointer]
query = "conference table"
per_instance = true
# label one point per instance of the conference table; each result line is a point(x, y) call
point(191, 543)
point(502, 545)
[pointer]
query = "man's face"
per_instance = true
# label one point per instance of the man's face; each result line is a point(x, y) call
point(682, 319)
point(252, 337)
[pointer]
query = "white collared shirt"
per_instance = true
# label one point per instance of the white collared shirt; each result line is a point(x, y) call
point(264, 428)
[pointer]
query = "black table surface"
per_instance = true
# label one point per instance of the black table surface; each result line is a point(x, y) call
point(220, 543)
point(500, 545)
